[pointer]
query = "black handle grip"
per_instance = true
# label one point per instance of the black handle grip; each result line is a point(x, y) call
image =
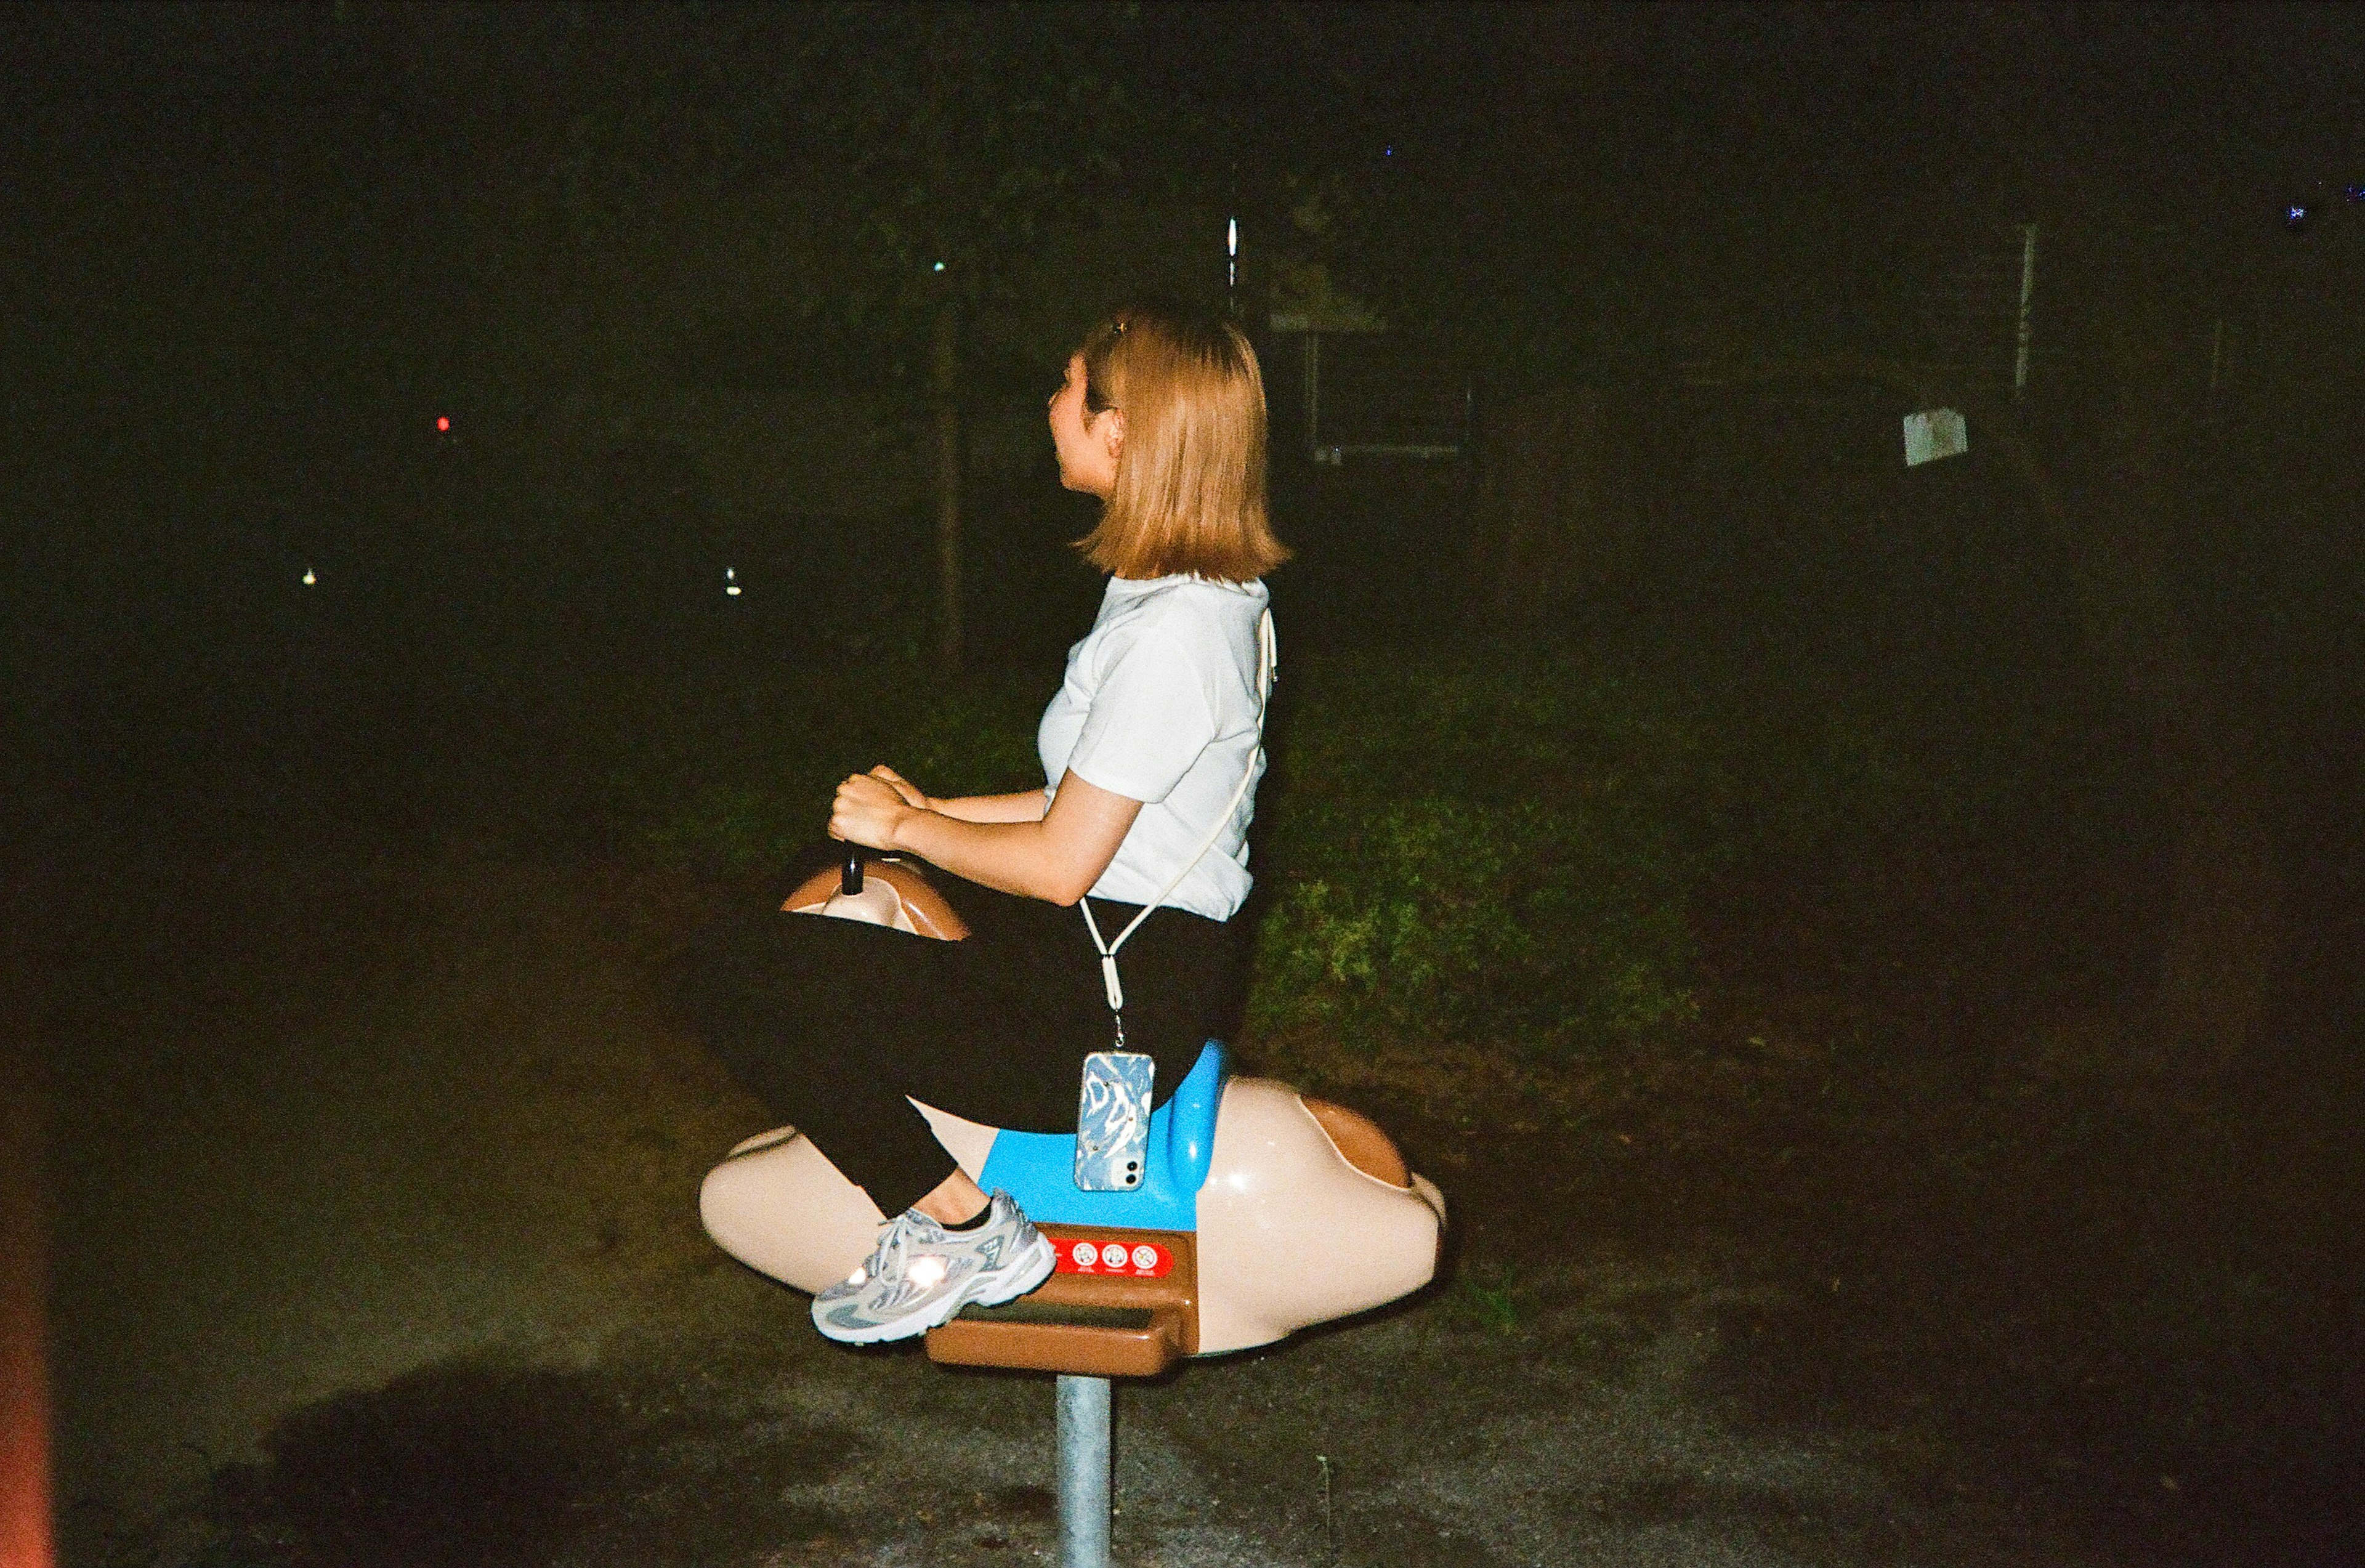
point(850, 882)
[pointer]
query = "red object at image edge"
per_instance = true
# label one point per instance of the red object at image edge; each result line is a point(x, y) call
point(25, 1540)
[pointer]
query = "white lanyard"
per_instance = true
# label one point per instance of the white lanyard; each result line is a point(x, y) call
point(1268, 662)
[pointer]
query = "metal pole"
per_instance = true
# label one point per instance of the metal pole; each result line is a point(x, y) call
point(1083, 1472)
point(2027, 293)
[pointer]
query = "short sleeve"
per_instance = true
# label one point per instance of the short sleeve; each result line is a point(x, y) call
point(1149, 722)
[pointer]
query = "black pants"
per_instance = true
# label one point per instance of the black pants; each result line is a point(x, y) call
point(831, 1022)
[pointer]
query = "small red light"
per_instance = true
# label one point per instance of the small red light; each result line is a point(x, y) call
point(443, 423)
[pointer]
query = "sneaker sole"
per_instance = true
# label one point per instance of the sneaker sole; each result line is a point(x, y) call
point(1025, 1273)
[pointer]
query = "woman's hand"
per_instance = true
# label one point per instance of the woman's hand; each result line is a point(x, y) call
point(870, 809)
point(903, 787)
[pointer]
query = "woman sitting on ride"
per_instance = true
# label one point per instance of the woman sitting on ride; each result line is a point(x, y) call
point(1151, 750)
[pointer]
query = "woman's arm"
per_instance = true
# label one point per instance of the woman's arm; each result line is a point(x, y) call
point(1025, 806)
point(1057, 857)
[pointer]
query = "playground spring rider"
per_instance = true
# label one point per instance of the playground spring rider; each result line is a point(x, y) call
point(1257, 1211)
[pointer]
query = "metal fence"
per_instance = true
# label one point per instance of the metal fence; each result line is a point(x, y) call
point(1375, 395)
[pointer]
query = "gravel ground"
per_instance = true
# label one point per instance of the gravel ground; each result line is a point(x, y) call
point(376, 1245)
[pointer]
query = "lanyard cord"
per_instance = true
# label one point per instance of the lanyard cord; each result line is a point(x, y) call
point(1268, 662)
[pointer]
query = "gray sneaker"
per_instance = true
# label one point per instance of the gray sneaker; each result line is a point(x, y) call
point(921, 1274)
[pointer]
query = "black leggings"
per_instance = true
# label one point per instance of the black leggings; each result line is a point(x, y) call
point(831, 1022)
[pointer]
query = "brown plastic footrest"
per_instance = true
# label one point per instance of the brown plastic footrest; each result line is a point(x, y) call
point(1113, 1322)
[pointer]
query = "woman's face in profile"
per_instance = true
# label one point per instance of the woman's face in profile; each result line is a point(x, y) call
point(1086, 443)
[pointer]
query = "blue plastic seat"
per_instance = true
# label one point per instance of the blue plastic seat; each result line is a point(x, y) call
point(1039, 1168)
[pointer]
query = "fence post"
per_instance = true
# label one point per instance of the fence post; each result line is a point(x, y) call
point(1314, 394)
point(2027, 295)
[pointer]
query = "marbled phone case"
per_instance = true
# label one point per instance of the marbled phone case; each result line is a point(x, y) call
point(1113, 1121)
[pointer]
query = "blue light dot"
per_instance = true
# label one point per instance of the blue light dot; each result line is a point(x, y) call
point(938, 267)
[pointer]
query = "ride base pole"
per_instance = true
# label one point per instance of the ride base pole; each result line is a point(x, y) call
point(1083, 1419)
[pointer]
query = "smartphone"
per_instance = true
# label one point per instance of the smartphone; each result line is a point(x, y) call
point(1113, 1121)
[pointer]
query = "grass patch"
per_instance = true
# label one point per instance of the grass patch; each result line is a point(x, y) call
point(1486, 1303)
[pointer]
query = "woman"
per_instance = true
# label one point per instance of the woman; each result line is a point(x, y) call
point(1155, 727)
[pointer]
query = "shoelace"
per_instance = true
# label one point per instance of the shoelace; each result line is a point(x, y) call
point(891, 1246)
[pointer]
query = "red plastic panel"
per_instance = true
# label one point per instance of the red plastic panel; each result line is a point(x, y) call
point(1113, 1260)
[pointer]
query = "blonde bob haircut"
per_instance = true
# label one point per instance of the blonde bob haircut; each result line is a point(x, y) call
point(1190, 494)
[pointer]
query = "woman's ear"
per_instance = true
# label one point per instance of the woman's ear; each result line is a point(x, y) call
point(1113, 432)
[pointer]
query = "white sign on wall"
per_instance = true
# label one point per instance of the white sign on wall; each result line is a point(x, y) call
point(1934, 434)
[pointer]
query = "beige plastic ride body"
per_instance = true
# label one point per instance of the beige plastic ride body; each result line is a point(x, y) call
point(1308, 1213)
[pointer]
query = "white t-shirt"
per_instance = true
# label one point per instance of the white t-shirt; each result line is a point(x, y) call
point(1159, 705)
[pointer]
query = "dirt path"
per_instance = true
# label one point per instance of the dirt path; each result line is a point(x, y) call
point(376, 1245)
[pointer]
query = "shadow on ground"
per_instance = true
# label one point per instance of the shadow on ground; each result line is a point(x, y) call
point(485, 1465)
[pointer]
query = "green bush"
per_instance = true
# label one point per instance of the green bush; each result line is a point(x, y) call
point(1516, 923)
point(1474, 850)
